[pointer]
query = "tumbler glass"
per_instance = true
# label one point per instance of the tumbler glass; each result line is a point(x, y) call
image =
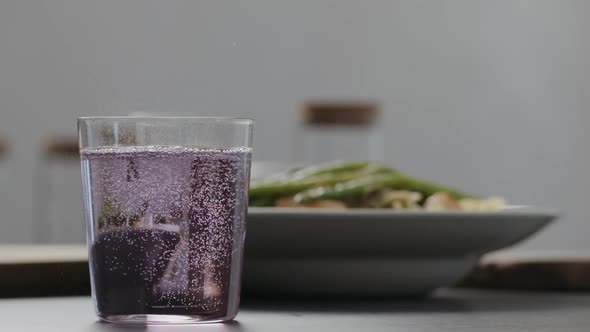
point(165, 203)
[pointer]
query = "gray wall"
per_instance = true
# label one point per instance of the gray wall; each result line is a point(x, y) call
point(488, 95)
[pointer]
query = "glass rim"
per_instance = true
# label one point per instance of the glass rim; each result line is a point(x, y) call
point(211, 119)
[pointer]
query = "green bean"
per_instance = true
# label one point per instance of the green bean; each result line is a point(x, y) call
point(321, 177)
point(342, 191)
point(353, 189)
point(331, 168)
point(262, 201)
point(277, 177)
point(426, 188)
point(344, 181)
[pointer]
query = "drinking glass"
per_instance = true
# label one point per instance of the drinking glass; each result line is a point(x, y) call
point(165, 202)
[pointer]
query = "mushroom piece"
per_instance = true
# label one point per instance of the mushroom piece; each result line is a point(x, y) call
point(441, 201)
point(493, 203)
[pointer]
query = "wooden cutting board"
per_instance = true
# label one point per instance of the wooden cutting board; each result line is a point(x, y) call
point(43, 270)
point(46, 270)
point(532, 270)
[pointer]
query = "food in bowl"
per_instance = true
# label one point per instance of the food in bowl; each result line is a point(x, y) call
point(361, 184)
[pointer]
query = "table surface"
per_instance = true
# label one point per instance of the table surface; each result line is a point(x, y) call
point(454, 310)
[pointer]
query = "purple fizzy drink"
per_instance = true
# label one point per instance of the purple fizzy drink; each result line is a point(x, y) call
point(167, 232)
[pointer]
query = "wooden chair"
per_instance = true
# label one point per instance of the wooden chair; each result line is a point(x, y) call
point(338, 130)
point(58, 206)
point(61, 147)
point(343, 113)
point(3, 149)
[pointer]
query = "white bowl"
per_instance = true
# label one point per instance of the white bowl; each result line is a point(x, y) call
point(371, 252)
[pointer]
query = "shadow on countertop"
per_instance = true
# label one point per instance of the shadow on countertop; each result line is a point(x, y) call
point(442, 301)
point(231, 326)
